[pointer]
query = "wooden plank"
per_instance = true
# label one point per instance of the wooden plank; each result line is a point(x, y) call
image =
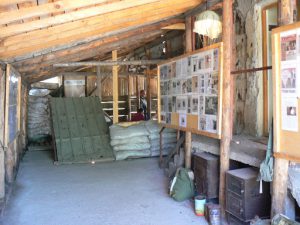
point(99, 51)
point(69, 17)
point(99, 83)
point(6, 125)
point(72, 32)
point(115, 89)
point(44, 9)
point(59, 56)
point(281, 164)
point(226, 103)
point(178, 26)
point(109, 63)
point(2, 130)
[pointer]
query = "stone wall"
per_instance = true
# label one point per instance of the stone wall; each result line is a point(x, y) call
point(248, 113)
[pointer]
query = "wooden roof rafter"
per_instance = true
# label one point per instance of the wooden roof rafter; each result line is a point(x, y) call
point(77, 31)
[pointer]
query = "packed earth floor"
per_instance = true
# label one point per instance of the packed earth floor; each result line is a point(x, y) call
point(132, 192)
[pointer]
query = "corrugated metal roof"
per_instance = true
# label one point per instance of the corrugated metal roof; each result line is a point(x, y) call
point(81, 133)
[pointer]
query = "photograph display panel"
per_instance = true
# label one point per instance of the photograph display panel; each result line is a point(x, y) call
point(190, 91)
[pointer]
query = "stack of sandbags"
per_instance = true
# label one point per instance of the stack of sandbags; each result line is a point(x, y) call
point(168, 140)
point(38, 125)
point(129, 140)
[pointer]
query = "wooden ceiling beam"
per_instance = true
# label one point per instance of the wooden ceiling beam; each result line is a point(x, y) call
point(11, 2)
point(26, 66)
point(177, 26)
point(206, 5)
point(43, 74)
point(71, 16)
point(44, 9)
point(109, 63)
point(43, 39)
point(89, 53)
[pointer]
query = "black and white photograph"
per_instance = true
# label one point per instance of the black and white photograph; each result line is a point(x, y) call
point(207, 61)
point(189, 108)
point(173, 70)
point(202, 122)
point(216, 60)
point(189, 85)
point(189, 66)
point(212, 84)
point(174, 104)
point(211, 123)
point(194, 104)
point(211, 105)
point(194, 64)
point(201, 63)
point(168, 118)
point(182, 120)
point(288, 81)
point(202, 84)
point(178, 68)
point(201, 105)
point(183, 84)
point(195, 84)
point(163, 72)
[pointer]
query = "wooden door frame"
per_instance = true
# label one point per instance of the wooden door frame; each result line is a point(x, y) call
point(265, 72)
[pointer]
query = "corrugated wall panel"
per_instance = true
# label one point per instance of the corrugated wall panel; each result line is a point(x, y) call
point(80, 130)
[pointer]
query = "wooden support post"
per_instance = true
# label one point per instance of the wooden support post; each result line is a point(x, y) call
point(281, 166)
point(115, 89)
point(227, 107)
point(148, 82)
point(129, 88)
point(99, 83)
point(2, 114)
point(188, 134)
point(137, 93)
point(188, 35)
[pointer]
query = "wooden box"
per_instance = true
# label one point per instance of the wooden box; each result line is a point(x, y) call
point(206, 170)
point(243, 199)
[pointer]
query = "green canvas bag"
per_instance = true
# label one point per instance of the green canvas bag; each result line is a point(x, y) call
point(182, 187)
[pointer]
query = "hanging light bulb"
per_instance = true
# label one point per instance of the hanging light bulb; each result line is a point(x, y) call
point(208, 23)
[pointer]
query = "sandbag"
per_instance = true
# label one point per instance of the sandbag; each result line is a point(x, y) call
point(121, 155)
point(119, 132)
point(156, 136)
point(140, 139)
point(132, 147)
point(182, 187)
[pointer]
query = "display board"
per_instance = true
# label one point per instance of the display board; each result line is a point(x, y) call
point(190, 92)
point(286, 78)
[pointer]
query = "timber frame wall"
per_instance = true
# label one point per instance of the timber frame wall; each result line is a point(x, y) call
point(11, 151)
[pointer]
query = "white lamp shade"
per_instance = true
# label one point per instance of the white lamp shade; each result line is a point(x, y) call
point(208, 23)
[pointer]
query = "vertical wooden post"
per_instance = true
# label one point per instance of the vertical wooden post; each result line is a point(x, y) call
point(279, 195)
point(137, 92)
point(99, 83)
point(227, 107)
point(115, 89)
point(129, 88)
point(2, 116)
point(188, 134)
point(148, 82)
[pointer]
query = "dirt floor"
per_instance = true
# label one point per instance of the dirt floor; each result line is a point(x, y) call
point(132, 192)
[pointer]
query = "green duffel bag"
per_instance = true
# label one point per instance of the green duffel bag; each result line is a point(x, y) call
point(182, 187)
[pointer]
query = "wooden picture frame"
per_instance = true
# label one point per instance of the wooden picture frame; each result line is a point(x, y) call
point(286, 142)
point(192, 120)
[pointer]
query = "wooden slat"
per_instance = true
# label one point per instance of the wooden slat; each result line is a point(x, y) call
point(115, 89)
point(75, 31)
point(124, 45)
point(44, 9)
point(72, 16)
point(178, 26)
point(26, 66)
point(226, 103)
point(101, 50)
